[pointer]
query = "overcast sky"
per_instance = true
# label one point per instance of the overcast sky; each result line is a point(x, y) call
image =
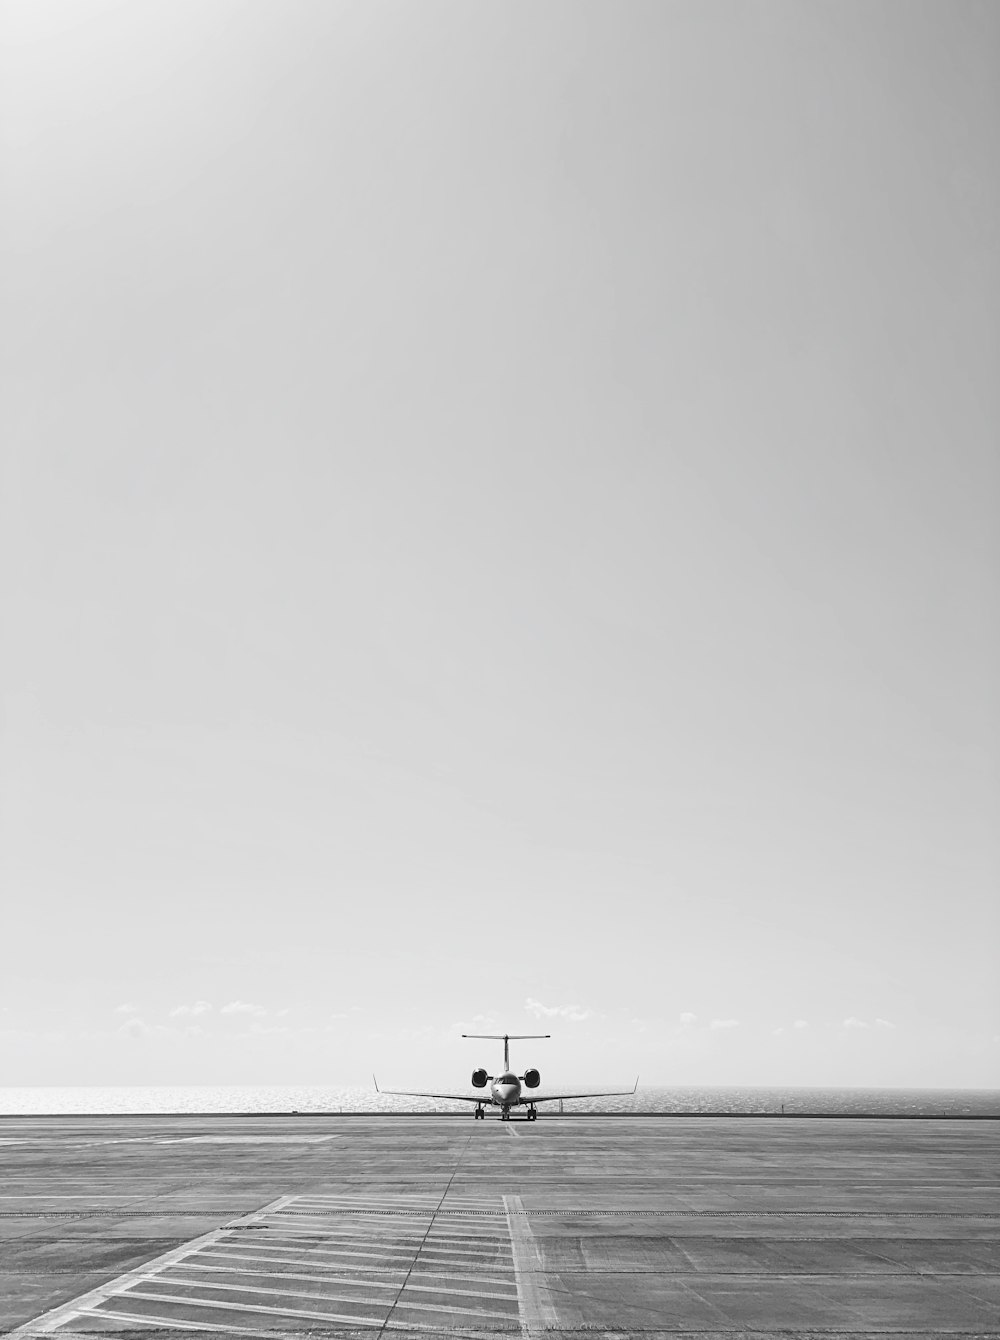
point(499, 525)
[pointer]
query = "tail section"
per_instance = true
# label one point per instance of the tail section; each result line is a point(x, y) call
point(505, 1038)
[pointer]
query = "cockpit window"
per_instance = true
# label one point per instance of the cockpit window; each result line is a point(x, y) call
point(508, 1079)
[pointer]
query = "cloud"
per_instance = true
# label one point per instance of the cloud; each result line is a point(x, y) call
point(884, 1023)
point(137, 1029)
point(243, 1007)
point(126, 1008)
point(724, 1023)
point(479, 1023)
point(573, 1014)
point(687, 1018)
point(184, 1011)
point(854, 1022)
point(777, 1032)
point(801, 1023)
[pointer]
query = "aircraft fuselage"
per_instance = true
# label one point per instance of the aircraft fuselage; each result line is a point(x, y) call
point(505, 1093)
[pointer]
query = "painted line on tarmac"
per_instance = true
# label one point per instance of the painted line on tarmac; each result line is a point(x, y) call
point(235, 1139)
point(192, 1300)
point(87, 1303)
point(397, 1272)
point(534, 1304)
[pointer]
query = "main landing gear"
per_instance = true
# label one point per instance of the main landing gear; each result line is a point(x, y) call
point(532, 1114)
point(480, 1114)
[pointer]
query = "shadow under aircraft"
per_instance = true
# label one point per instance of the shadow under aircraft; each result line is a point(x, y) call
point(505, 1089)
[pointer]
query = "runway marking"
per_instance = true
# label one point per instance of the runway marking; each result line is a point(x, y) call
point(267, 1309)
point(344, 1280)
point(89, 1303)
point(404, 1271)
point(242, 1139)
point(259, 1310)
point(537, 1311)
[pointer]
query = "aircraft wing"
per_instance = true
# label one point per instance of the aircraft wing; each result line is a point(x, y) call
point(529, 1097)
point(482, 1097)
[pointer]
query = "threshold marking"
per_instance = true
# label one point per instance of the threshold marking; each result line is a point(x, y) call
point(89, 1303)
point(319, 1260)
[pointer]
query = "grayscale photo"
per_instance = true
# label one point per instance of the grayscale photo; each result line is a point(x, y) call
point(500, 655)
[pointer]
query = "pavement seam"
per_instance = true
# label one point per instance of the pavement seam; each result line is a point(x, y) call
point(416, 1255)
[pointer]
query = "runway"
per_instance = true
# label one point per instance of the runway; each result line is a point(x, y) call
point(444, 1226)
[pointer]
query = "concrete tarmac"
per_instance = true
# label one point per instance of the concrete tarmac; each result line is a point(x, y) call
point(443, 1226)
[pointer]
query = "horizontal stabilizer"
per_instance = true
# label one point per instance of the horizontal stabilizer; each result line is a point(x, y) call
point(507, 1037)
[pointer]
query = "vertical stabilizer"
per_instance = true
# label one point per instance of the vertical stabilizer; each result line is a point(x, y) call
point(505, 1038)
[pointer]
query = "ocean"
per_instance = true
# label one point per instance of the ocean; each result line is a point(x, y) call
point(237, 1099)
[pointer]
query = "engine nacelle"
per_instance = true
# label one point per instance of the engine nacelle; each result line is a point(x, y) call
point(532, 1079)
point(479, 1078)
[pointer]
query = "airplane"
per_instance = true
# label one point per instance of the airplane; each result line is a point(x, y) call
point(505, 1089)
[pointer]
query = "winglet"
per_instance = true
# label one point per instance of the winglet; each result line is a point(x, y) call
point(634, 1086)
point(375, 1082)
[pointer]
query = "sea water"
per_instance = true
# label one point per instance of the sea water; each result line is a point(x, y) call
point(168, 1099)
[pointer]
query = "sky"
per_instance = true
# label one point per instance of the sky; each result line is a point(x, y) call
point(499, 532)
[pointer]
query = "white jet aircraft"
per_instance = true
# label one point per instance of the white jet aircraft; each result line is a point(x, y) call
point(505, 1089)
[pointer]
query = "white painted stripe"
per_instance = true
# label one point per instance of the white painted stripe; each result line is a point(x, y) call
point(292, 1242)
point(161, 1322)
point(265, 1309)
point(263, 1289)
point(229, 1328)
point(244, 1273)
point(537, 1311)
point(459, 1293)
point(284, 1242)
point(478, 1277)
point(338, 1207)
point(324, 1254)
point(312, 1228)
point(321, 1248)
point(469, 1239)
point(371, 1203)
point(496, 1276)
point(313, 1242)
point(311, 1246)
point(366, 1283)
point(327, 1297)
point(316, 1228)
point(313, 1265)
point(341, 1229)
point(457, 1252)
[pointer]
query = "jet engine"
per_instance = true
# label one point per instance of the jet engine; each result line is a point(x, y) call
point(479, 1078)
point(532, 1079)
